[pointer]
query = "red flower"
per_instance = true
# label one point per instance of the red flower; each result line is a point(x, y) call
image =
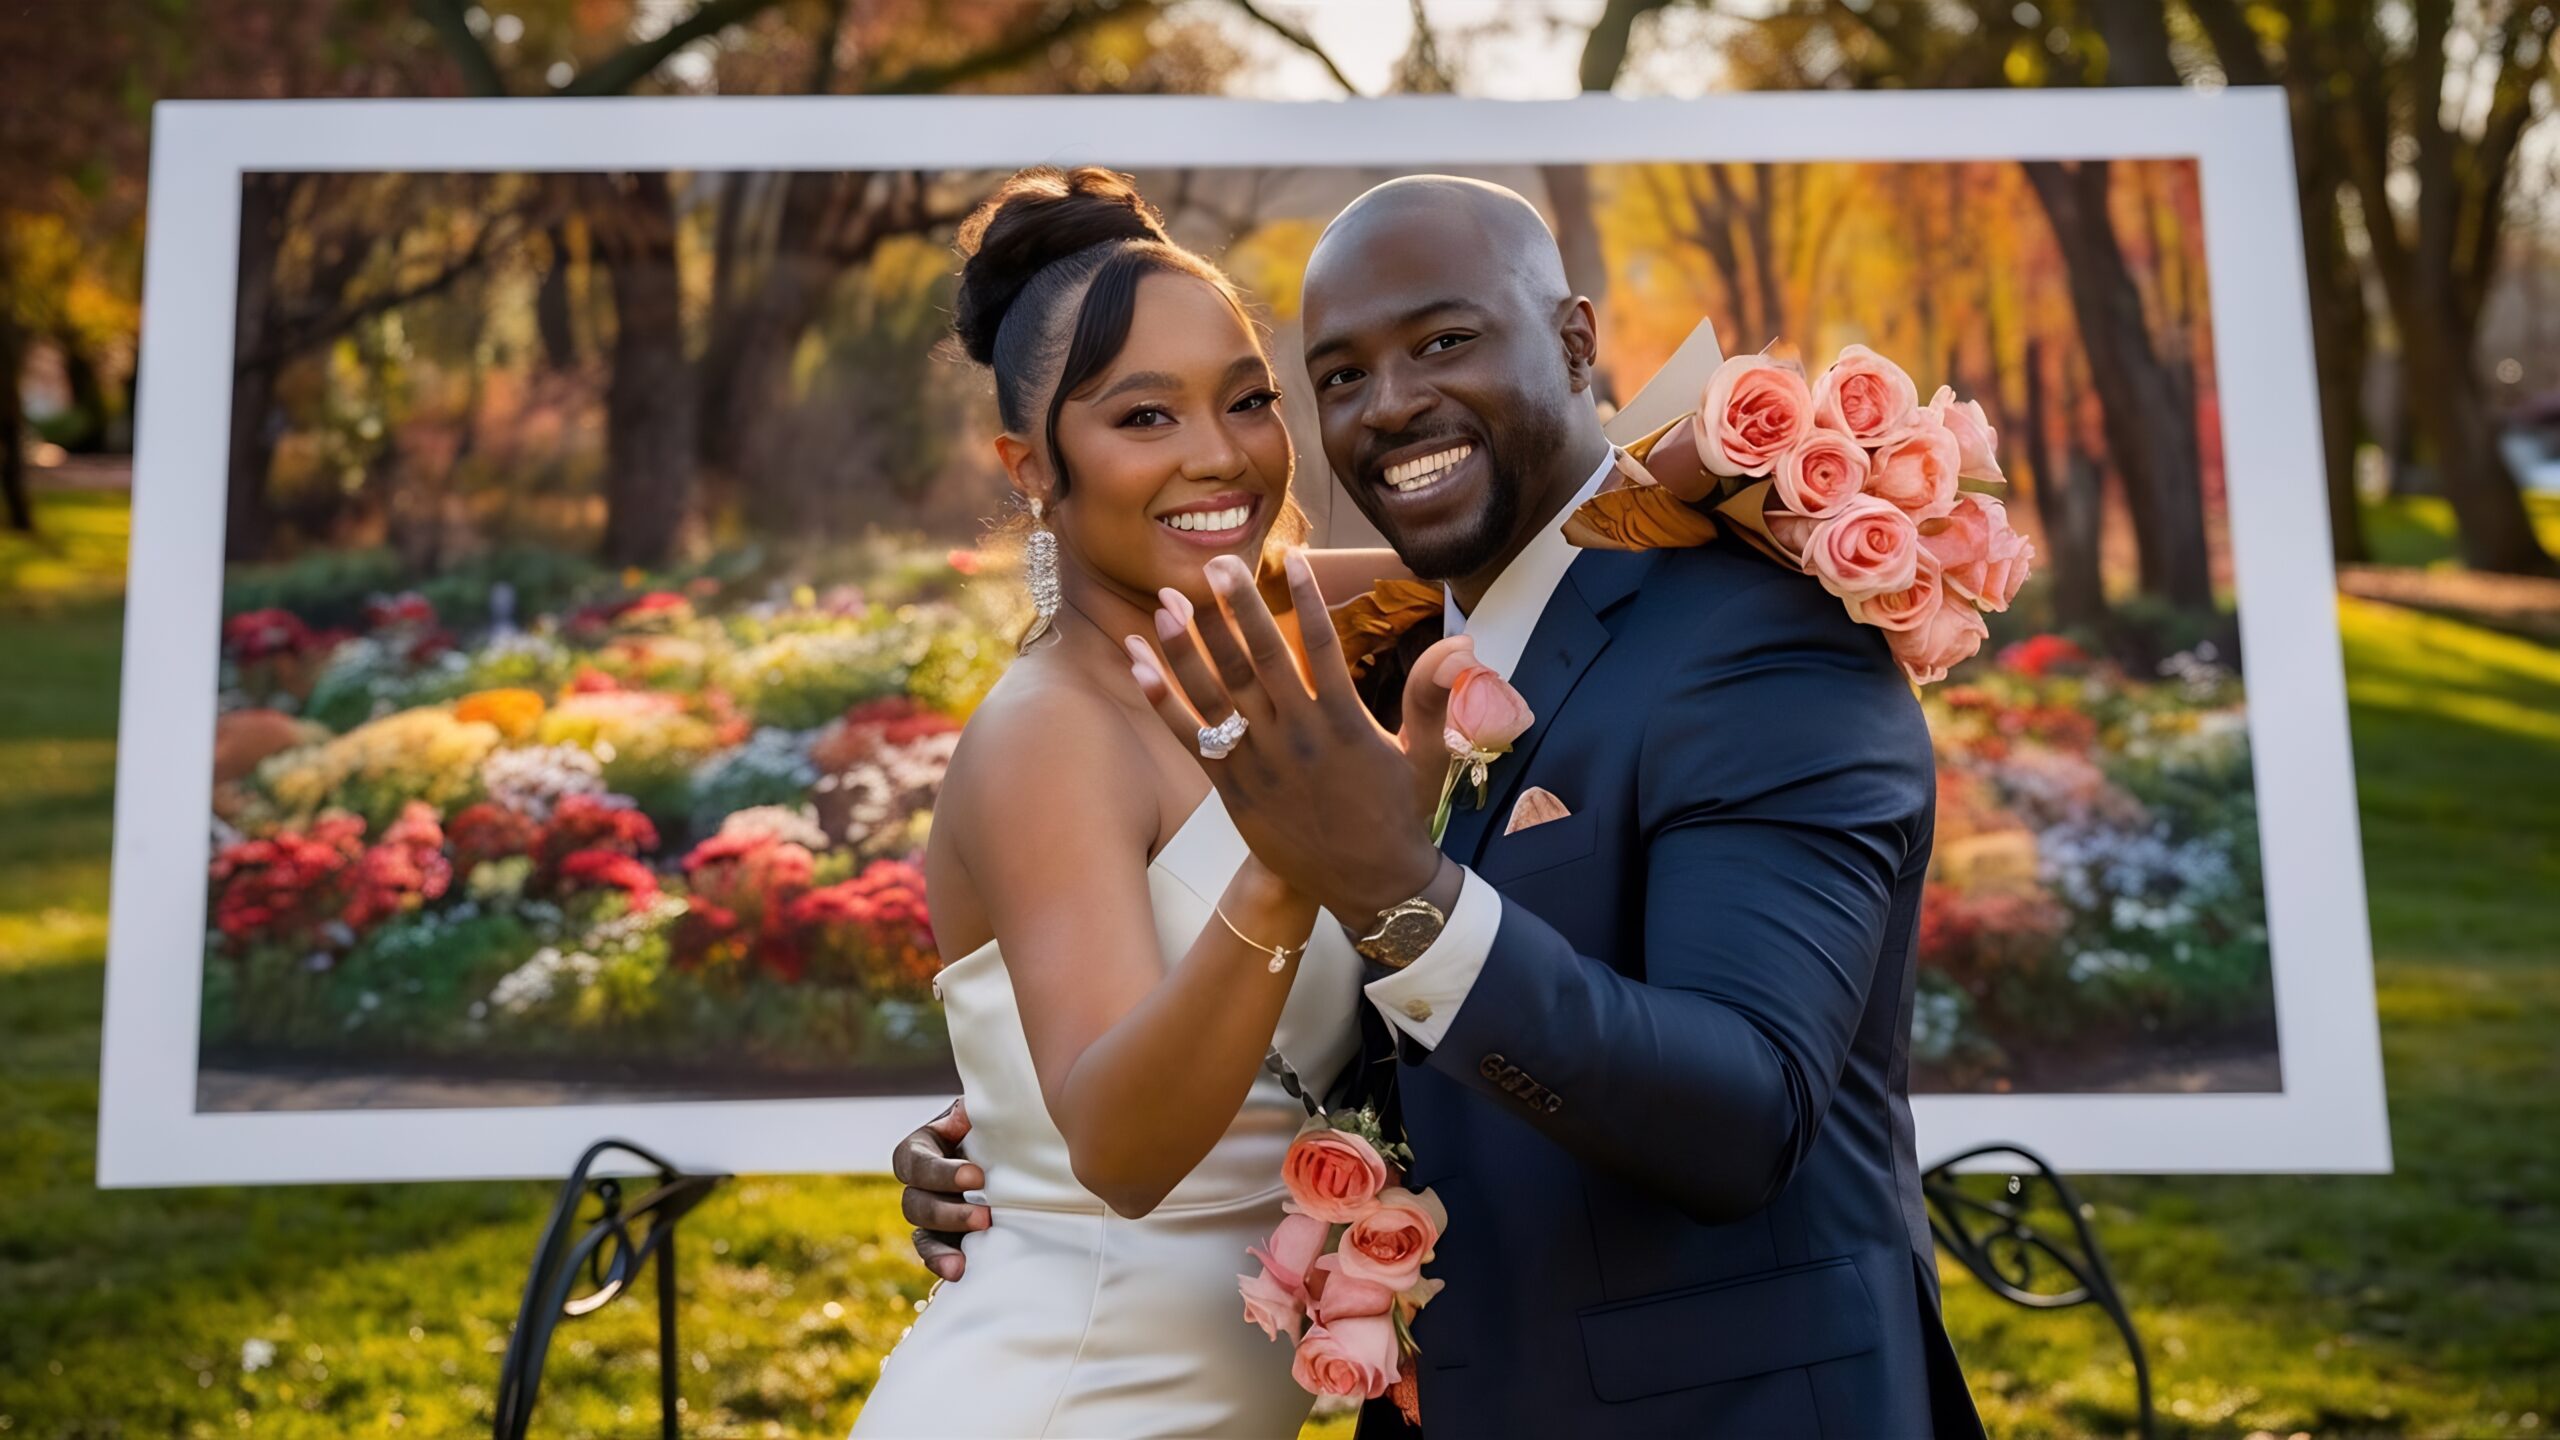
point(485, 831)
point(876, 926)
point(404, 870)
point(874, 726)
point(592, 822)
point(285, 886)
point(256, 635)
point(591, 681)
point(2034, 656)
point(744, 886)
point(408, 610)
point(586, 868)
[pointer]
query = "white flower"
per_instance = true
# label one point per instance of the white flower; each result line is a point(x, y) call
point(531, 780)
point(537, 981)
point(796, 825)
point(256, 1355)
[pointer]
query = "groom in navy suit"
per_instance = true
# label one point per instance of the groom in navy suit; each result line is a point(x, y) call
point(1646, 1012)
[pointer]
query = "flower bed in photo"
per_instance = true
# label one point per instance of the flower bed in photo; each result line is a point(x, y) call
point(666, 837)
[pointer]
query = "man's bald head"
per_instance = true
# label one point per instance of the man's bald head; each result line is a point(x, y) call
point(1513, 235)
point(1452, 367)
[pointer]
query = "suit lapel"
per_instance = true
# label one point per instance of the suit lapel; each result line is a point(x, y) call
point(1570, 634)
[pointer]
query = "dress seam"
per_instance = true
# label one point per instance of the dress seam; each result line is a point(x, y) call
point(1093, 1307)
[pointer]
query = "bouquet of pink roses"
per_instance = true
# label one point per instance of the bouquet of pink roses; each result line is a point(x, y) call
point(1342, 1276)
point(1851, 479)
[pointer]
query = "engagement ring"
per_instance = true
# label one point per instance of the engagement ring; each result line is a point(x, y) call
point(1219, 739)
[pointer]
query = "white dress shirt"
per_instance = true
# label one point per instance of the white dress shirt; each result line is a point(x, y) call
point(1423, 998)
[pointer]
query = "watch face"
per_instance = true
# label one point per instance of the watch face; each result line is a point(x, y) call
point(1407, 936)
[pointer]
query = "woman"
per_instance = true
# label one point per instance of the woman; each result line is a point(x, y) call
point(1124, 964)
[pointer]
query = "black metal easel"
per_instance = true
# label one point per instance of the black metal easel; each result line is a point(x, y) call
point(1994, 1240)
point(608, 1257)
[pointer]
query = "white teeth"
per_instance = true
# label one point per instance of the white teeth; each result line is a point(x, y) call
point(1414, 474)
point(1230, 518)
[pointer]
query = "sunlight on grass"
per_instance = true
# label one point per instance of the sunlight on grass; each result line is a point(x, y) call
point(2420, 529)
point(77, 552)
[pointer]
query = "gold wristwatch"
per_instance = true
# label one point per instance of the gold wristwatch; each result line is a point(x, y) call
point(1402, 933)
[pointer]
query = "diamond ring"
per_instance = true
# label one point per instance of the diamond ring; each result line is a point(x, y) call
point(1217, 741)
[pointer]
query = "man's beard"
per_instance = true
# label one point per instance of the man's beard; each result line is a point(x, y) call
point(1461, 550)
point(1530, 441)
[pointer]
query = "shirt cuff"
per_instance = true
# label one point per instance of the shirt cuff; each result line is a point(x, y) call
point(1423, 998)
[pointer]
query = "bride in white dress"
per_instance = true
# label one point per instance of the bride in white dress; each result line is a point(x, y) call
point(1124, 964)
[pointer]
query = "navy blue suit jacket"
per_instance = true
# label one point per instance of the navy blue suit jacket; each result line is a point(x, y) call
point(1670, 1121)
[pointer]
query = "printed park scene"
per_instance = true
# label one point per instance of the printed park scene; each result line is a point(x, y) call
point(611, 573)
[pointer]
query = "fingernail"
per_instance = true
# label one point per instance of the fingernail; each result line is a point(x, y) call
point(1296, 561)
point(1146, 676)
point(1220, 579)
point(947, 1267)
point(1168, 624)
point(1177, 602)
point(981, 1219)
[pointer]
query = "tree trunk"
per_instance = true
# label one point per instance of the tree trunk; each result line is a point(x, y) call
point(248, 525)
point(2338, 344)
point(2461, 428)
point(1586, 268)
point(2148, 406)
point(649, 414)
point(1759, 219)
point(2067, 501)
point(13, 422)
point(551, 305)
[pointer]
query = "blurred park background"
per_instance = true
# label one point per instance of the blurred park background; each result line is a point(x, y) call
point(701, 335)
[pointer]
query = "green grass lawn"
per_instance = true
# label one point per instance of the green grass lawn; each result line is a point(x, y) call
point(2424, 1303)
point(2420, 529)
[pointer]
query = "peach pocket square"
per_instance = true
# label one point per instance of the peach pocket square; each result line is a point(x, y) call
point(1536, 806)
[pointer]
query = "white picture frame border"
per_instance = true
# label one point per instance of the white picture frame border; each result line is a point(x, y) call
point(2329, 1117)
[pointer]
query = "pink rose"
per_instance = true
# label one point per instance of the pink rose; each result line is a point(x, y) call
point(1908, 608)
point(1864, 396)
point(1277, 1298)
point(1976, 441)
point(2013, 558)
point(1269, 1303)
point(1754, 410)
point(1485, 713)
point(1791, 532)
point(1916, 468)
point(1869, 548)
point(1353, 1356)
point(1825, 471)
point(1334, 1175)
point(1291, 1251)
point(1951, 634)
point(1985, 561)
point(1345, 1297)
point(1389, 1244)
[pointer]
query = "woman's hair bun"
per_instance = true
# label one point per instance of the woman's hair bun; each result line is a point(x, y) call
point(1036, 218)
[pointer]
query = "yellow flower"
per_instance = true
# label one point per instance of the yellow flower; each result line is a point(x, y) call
point(515, 712)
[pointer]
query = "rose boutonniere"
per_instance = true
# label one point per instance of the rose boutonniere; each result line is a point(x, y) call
point(1342, 1275)
point(1485, 717)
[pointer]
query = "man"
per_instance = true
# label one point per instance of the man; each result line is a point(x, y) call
point(1653, 1051)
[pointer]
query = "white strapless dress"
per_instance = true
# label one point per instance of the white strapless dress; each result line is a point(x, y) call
point(1072, 1321)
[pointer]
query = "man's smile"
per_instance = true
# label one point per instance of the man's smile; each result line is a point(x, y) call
point(1427, 470)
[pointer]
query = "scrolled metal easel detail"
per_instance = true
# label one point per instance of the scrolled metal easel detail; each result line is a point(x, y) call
point(607, 1256)
point(1998, 1243)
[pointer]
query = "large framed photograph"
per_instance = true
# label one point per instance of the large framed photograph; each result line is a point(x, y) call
point(562, 565)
